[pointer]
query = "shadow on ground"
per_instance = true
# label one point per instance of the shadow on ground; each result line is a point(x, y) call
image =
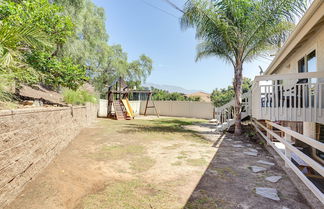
point(228, 182)
point(164, 126)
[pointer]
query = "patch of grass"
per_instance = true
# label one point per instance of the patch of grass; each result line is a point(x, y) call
point(225, 172)
point(185, 153)
point(142, 164)
point(119, 152)
point(78, 97)
point(181, 157)
point(170, 129)
point(172, 147)
point(130, 195)
point(179, 121)
point(8, 105)
point(205, 155)
point(202, 202)
point(6, 84)
point(177, 163)
point(197, 162)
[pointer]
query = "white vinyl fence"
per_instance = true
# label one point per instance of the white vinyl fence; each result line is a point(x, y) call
point(186, 109)
point(103, 104)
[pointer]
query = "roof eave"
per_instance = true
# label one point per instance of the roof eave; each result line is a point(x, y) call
point(304, 20)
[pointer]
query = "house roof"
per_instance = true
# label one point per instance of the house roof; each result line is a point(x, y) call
point(205, 97)
point(312, 16)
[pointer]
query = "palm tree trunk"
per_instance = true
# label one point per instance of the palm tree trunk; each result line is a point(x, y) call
point(238, 94)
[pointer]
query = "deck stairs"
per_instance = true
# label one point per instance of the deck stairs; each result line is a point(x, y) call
point(225, 114)
point(229, 122)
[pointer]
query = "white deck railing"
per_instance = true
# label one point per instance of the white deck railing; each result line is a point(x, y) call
point(284, 97)
point(290, 152)
point(289, 97)
point(226, 112)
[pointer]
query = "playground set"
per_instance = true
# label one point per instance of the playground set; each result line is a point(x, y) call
point(119, 107)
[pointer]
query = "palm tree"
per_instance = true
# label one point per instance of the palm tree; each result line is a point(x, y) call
point(15, 39)
point(240, 30)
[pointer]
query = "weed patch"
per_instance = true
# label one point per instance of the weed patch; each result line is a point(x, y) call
point(129, 195)
point(172, 147)
point(202, 202)
point(116, 152)
point(197, 162)
point(142, 164)
point(177, 163)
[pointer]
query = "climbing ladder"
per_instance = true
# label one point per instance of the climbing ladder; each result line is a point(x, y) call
point(119, 110)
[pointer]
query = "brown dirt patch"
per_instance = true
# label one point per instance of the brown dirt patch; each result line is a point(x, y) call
point(122, 164)
point(156, 164)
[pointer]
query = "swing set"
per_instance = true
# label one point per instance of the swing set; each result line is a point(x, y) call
point(119, 107)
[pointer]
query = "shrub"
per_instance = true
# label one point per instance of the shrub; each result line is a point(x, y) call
point(5, 85)
point(78, 97)
point(58, 72)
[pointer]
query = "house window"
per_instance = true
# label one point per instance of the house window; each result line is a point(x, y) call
point(311, 62)
point(302, 69)
point(301, 66)
point(307, 63)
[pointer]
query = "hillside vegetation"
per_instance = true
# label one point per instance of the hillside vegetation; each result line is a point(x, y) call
point(60, 44)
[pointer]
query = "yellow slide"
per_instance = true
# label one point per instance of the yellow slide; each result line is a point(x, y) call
point(128, 107)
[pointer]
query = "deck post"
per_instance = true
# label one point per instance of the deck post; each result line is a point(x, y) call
point(287, 151)
point(268, 134)
point(256, 100)
point(309, 129)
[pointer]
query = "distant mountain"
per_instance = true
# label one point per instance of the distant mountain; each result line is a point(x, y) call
point(170, 88)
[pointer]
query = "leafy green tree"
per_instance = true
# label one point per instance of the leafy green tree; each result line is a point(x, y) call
point(63, 43)
point(42, 15)
point(56, 72)
point(238, 31)
point(163, 95)
point(193, 98)
point(14, 41)
point(89, 47)
point(116, 65)
point(89, 44)
point(40, 62)
point(222, 96)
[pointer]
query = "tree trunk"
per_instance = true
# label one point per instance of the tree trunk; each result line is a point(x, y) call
point(57, 50)
point(237, 84)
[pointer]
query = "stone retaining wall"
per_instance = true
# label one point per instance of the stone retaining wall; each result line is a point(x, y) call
point(31, 138)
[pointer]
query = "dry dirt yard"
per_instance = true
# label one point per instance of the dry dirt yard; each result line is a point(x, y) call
point(162, 164)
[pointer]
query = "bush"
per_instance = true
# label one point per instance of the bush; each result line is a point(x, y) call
point(78, 97)
point(56, 72)
point(5, 85)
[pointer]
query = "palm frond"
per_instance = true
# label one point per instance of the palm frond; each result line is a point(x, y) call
point(14, 39)
point(241, 29)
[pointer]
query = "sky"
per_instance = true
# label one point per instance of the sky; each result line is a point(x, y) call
point(152, 27)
